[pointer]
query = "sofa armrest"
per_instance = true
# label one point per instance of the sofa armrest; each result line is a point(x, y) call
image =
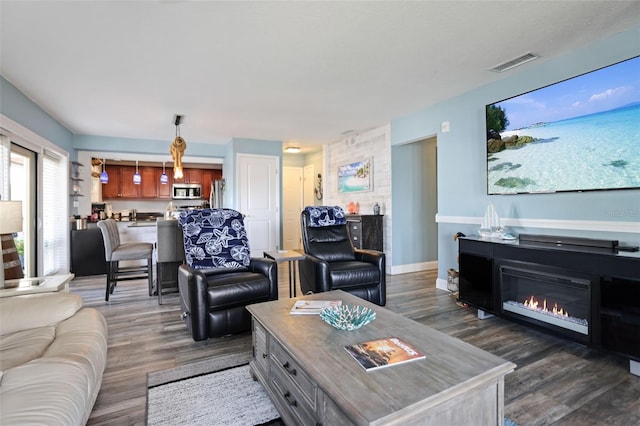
point(371, 256)
point(379, 259)
point(314, 273)
point(268, 268)
point(36, 310)
point(193, 290)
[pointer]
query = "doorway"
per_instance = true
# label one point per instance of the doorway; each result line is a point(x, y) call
point(415, 205)
point(259, 200)
point(22, 178)
point(292, 200)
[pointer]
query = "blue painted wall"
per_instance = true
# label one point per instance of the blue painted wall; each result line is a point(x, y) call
point(15, 105)
point(462, 158)
point(147, 146)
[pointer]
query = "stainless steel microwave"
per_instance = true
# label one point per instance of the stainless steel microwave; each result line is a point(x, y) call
point(186, 191)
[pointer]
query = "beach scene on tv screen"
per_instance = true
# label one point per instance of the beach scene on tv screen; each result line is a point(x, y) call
point(580, 134)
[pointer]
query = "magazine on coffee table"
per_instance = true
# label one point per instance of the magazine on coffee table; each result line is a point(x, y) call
point(312, 307)
point(381, 353)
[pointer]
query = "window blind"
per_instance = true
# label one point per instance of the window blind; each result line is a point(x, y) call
point(5, 158)
point(54, 219)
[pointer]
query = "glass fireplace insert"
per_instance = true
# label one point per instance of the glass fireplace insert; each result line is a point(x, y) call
point(552, 298)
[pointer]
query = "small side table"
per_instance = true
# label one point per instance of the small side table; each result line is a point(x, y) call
point(47, 284)
point(292, 258)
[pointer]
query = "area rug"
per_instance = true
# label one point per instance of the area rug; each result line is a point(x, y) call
point(226, 397)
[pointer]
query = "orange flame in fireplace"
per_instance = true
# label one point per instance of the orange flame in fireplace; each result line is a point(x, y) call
point(534, 304)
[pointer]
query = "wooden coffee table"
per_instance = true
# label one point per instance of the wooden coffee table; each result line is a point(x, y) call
point(311, 379)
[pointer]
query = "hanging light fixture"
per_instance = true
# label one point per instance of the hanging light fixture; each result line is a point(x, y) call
point(104, 176)
point(177, 149)
point(164, 179)
point(136, 177)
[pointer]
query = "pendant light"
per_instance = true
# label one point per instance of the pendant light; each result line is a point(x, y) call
point(104, 176)
point(164, 179)
point(177, 149)
point(136, 177)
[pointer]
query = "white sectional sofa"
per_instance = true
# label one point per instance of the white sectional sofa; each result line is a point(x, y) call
point(52, 356)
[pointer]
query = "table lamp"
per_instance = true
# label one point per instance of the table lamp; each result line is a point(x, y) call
point(10, 222)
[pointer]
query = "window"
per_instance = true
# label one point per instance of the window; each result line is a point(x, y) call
point(54, 222)
point(44, 187)
point(23, 188)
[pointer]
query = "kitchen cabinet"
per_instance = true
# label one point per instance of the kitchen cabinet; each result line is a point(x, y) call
point(190, 176)
point(121, 184)
point(164, 190)
point(127, 188)
point(208, 176)
point(193, 176)
point(148, 188)
point(111, 189)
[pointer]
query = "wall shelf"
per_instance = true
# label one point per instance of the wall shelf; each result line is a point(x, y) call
point(74, 178)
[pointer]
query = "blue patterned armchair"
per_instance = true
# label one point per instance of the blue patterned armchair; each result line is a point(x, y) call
point(220, 278)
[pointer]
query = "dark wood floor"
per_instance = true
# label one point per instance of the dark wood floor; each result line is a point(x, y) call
point(556, 382)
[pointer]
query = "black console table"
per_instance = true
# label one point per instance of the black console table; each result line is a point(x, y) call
point(607, 279)
point(366, 231)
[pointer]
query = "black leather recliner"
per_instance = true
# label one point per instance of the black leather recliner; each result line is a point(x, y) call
point(214, 301)
point(332, 263)
point(222, 279)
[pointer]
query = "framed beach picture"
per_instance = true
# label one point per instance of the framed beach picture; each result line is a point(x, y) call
point(355, 177)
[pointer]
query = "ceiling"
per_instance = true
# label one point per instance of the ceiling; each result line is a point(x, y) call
point(303, 72)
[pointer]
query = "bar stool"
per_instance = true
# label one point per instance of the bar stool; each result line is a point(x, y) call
point(115, 251)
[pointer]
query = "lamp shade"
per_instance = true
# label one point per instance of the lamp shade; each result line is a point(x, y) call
point(104, 176)
point(10, 217)
point(137, 179)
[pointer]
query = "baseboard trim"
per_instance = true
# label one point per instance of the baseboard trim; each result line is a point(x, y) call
point(413, 267)
point(579, 225)
point(441, 284)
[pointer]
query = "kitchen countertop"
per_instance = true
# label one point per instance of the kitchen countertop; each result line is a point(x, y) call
point(141, 224)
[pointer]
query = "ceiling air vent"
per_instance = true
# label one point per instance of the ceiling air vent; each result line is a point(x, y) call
point(527, 57)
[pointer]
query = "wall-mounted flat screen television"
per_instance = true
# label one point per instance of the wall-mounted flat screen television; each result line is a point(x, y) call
point(580, 134)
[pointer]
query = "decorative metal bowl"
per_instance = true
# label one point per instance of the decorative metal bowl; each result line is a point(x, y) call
point(347, 317)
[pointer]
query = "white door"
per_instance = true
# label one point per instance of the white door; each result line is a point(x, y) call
point(309, 185)
point(259, 200)
point(291, 207)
